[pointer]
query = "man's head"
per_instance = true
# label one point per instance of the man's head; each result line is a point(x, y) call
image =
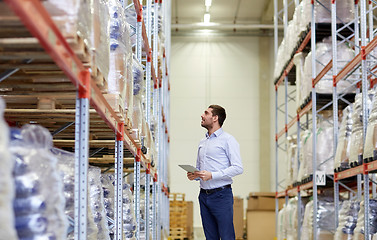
point(214, 115)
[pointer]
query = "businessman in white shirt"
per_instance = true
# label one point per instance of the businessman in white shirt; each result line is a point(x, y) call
point(218, 161)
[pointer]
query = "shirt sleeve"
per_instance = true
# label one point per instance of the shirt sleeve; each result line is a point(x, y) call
point(232, 149)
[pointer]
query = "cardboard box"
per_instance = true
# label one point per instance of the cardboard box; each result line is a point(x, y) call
point(190, 220)
point(260, 225)
point(262, 201)
point(238, 217)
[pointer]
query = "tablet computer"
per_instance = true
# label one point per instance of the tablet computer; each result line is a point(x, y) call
point(189, 168)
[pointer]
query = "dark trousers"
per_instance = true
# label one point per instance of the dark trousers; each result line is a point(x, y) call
point(216, 210)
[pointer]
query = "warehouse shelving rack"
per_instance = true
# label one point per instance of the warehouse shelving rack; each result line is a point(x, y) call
point(362, 66)
point(46, 39)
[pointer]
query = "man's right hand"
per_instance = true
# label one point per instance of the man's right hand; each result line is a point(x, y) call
point(192, 176)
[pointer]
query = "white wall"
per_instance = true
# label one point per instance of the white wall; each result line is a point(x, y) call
point(214, 70)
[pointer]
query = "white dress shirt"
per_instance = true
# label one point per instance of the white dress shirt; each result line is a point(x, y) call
point(220, 155)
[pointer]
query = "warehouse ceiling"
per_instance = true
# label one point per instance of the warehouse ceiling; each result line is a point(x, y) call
point(235, 16)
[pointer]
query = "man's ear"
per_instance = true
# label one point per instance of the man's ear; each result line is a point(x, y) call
point(215, 118)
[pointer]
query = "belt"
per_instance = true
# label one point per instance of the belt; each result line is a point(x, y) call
point(213, 190)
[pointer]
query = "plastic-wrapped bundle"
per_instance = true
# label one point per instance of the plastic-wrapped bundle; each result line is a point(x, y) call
point(347, 220)
point(359, 230)
point(129, 220)
point(325, 149)
point(370, 149)
point(120, 52)
point(66, 166)
point(305, 154)
point(137, 119)
point(292, 160)
point(344, 11)
point(290, 221)
point(96, 203)
point(107, 181)
point(356, 151)
point(89, 19)
point(324, 55)
point(282, 231)
point(299, 61)
point(7, 190)
point(325, 220)
point(138, 78)
point(344, 140)
point(39, 214)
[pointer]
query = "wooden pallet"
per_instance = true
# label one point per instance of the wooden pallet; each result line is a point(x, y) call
point(178, 233)
point(177, 197)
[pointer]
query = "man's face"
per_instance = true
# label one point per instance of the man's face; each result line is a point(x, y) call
point(207, 118)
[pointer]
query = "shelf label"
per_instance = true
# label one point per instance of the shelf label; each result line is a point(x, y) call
point(320, 178)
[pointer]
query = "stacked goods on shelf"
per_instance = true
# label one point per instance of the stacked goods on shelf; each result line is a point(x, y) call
point(290, 222)
point(178, 215)
point(357, 146)
point(325, 219)
point(370, 149)
point(38, 213)
point(342, 155)
point(323, 57)
point(96, 202)
point(139, 98)
point(107, 181)
point(282, 231)
point(120, 86)
point(90, 20)
point(129, 220)
point(300, 22)
point(7, 190)
point(348, 215)
point(292, 164)
point(325, 148)
point(299, 61)
point(66, 166)
point(372, 214)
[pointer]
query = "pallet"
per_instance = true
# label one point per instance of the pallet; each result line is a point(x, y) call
point(177, 197)
point(178, 233)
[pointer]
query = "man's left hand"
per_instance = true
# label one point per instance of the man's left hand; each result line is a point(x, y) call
point(205, 175)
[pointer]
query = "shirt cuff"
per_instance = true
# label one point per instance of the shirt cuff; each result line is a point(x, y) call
point(216, 175)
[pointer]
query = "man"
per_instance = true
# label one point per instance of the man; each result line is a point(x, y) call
point(218, 161)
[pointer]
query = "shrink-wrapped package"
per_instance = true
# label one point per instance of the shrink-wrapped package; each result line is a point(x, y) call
point(299, 60)
point(292, 165)
point(325, 220)
point(359, 230)
point(119, 78)
point(356, 150)
point(7, 189)
point(323, 57)
point(325, 148)
point(66, 165)
point(38, 213)
point(370, 149)
point(344, 139)
point(96, 203)
point(290, 221)
point(282, 231)
point(344, 11)
point(129, 220)
point(348, 215)
point(89, 19)
point(305, 154)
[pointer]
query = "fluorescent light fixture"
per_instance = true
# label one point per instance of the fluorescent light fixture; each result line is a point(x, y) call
point(207, 18)
point(207, 8)
point(208, 3)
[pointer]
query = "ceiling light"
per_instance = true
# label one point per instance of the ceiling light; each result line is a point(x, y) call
point(207, 17)
point(207, 8)
point(208, 3)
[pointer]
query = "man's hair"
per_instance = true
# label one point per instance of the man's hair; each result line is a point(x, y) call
point(220, 112)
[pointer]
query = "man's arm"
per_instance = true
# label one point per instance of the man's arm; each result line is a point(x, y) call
point(234, 156)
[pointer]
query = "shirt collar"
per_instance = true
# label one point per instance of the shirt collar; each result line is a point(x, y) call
point(217, 133)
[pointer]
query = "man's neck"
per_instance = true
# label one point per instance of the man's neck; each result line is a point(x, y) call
point(212, 130)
